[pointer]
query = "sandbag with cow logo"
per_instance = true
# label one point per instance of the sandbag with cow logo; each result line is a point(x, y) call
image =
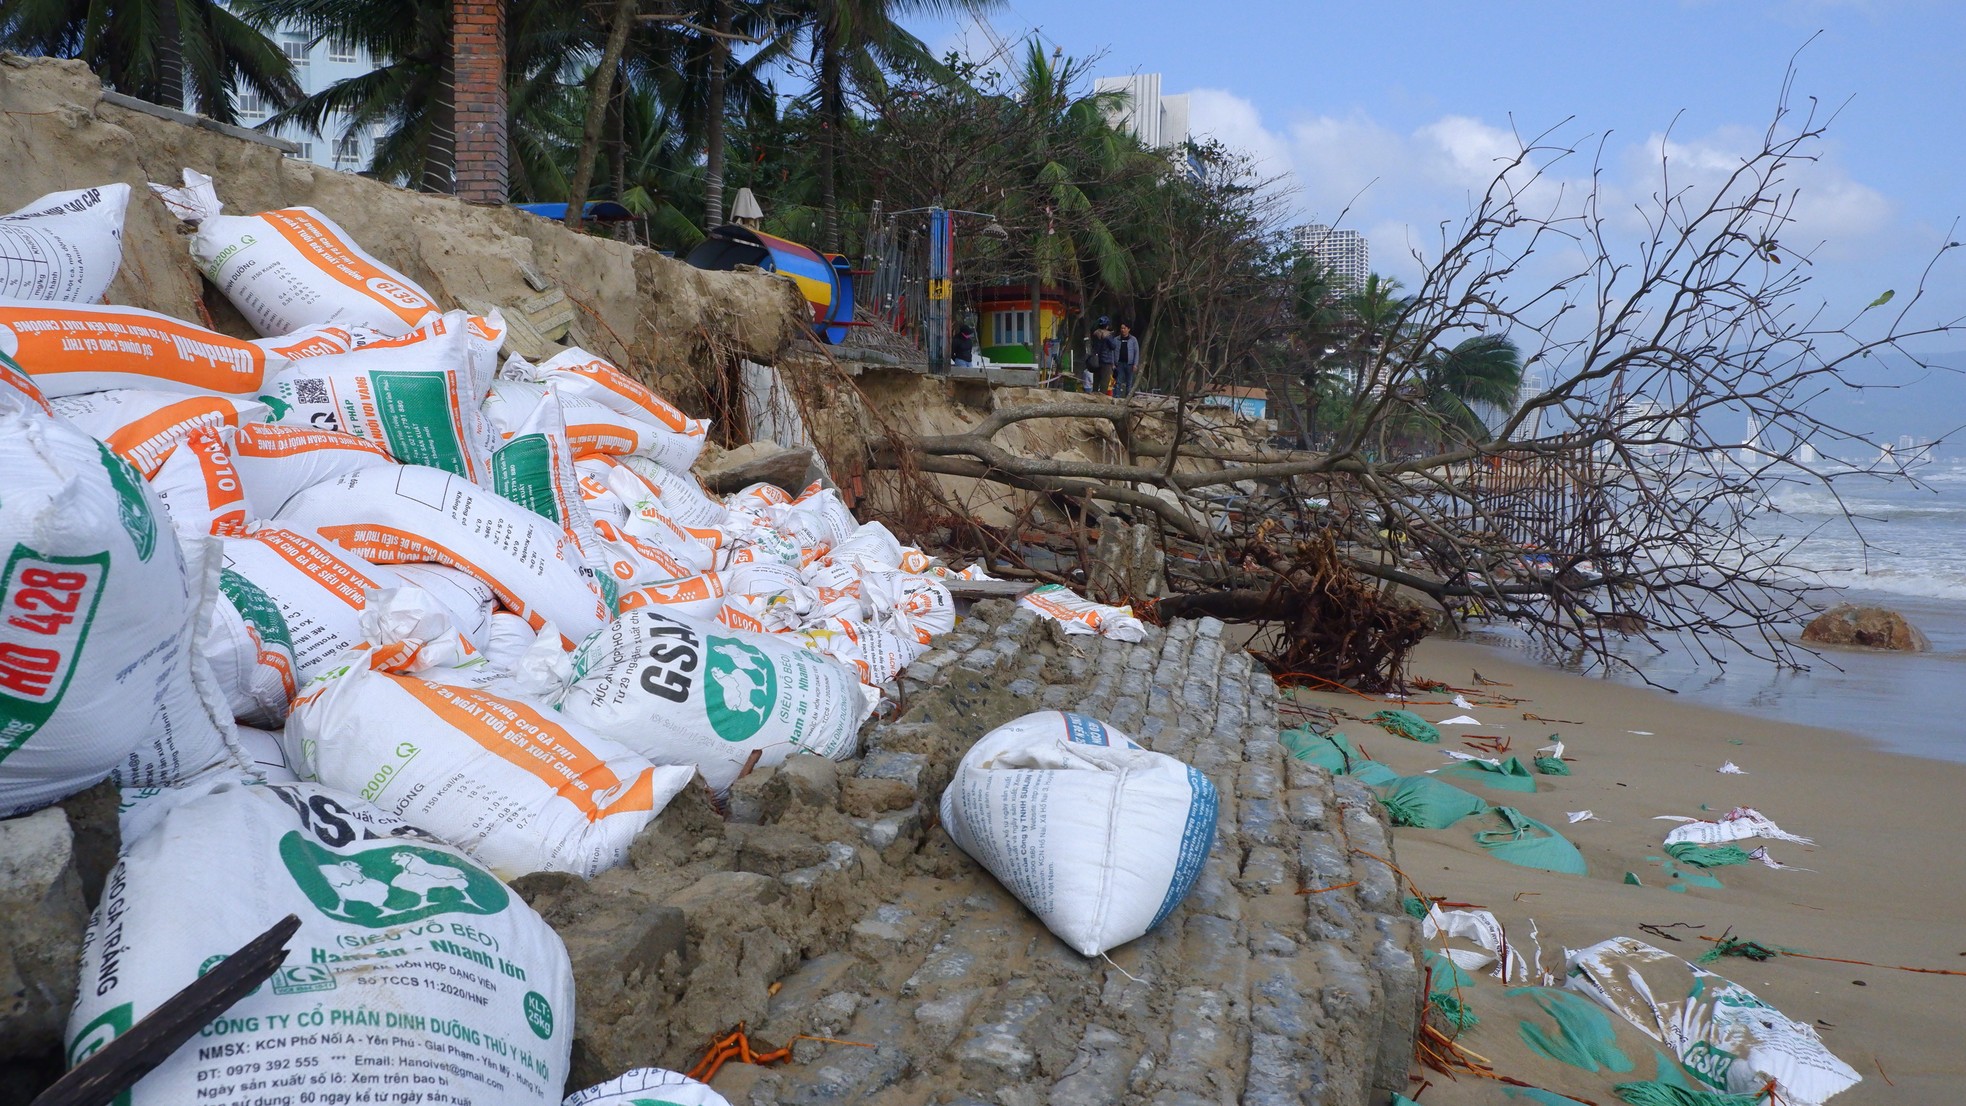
point(692, 691)
point(414, 969)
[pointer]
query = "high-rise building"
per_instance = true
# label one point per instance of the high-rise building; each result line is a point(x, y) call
point(1159, 122)
point(1344, 253)
point(316, 66)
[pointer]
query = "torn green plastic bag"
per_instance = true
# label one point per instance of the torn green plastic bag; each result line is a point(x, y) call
point(1407, 724)
point(1531, 844)
point(1332, 752)
point(1509, 775)
point(1551, 766)
point(1581, 1033)
point(1707, 856)
point(1427, 803)
point(1665, 1094)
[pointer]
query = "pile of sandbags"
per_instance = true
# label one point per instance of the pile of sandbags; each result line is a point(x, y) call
point(365, 621)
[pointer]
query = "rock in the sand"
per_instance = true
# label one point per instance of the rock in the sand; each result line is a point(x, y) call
point(1865, 627)
point(789, 468)
point(41, 913)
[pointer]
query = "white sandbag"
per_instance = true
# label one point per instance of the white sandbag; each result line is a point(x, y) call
point(677, 495)
point(71, 349)
point(871, 545)
point(469, 601)
point(415, 396)
point(265, 755)
point(818, 519)
point(1079, 615)
point(877, 648)
point(320, 589)
point(517, 786)
point(64, 246)
point(591, 427)
point(276, 463)
point(689, 691)
point(17, 388)
point(408, 513)
point(144, 425)
point(251, 651)
point(100, 620)
point(200, 488)
point(293, 267)
point(700, 596)
point(534, 468)
point(1718, 1030)
point(1100, 838)
point(648, 1087)
point(582, 376)
point(413, 966)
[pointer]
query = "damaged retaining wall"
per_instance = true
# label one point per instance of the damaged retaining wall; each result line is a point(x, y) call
point(834, 883)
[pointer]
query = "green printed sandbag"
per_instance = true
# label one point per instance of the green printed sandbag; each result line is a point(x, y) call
point(1332, 752)
point(1424, 802)
point(1373, 774)
point(1405, 723)
point(1509, 775)
point(1531, 844)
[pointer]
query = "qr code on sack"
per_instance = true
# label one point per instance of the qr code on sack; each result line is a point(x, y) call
point(311, 391)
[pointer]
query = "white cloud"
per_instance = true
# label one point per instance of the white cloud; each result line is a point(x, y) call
point(1399, 188)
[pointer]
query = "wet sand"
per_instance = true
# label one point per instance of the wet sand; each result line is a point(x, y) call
point(1888, 878)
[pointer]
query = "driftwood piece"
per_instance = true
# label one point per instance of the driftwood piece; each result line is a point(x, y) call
point(117, 1066)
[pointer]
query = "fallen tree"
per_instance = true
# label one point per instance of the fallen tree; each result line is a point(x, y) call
point(1609, 502)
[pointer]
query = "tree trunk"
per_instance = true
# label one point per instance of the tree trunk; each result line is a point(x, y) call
point(440, 149)
point(832, 116)
point(170, 63)
point(618, 134)
point(598, 93)
point(713, 123)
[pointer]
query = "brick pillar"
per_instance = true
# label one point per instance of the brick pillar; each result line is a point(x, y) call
point(478, 68)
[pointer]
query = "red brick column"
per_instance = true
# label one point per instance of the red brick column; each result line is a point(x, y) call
point(478, 71)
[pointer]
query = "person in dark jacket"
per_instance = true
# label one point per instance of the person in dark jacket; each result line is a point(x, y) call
point(1126, 359)
point(1101, 347)
point(962, 348)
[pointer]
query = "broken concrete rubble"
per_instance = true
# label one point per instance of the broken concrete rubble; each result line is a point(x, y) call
point(832, 882)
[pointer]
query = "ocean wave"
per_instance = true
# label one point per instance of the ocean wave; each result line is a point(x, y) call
point(1920, 582)
point(1805, 502)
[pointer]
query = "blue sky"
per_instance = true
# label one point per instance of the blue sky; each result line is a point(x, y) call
point(1397, 109)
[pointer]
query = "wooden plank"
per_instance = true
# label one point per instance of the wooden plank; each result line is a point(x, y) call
point(973, 590)
point(117, 1066)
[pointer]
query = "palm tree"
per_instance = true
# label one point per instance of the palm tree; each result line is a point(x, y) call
point(1484, 370)
point(408, 96)
point(1072, 147)
point(170, 52)
point(852, 42)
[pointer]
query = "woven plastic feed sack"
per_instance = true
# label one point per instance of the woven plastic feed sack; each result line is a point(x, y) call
point(534, 468)
point(677, 439)
point(276, 463)
point(416, 396)
point(516, 786)
point(1100, 838)
point(320, 588)
point(72, 349)
point(415, 977)
point(143, 425)
point(294, 267)
point(407, 513)
point(689, 691)
point(648, 1087)
point(100, 619)
point(251, 651)
point(65, 246)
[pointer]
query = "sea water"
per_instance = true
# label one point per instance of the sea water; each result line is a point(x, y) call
point(1907, 552)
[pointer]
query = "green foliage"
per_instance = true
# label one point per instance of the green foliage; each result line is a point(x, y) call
point(170, 52)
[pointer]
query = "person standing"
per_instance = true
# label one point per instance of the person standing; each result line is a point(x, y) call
point(1126, 359)
point(1097, 376)
point(962, 348)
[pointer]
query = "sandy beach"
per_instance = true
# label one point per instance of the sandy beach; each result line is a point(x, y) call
point(1884, 880)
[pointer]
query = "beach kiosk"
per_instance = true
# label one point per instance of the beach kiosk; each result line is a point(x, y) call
point(1008, 332)
point(826, 280)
